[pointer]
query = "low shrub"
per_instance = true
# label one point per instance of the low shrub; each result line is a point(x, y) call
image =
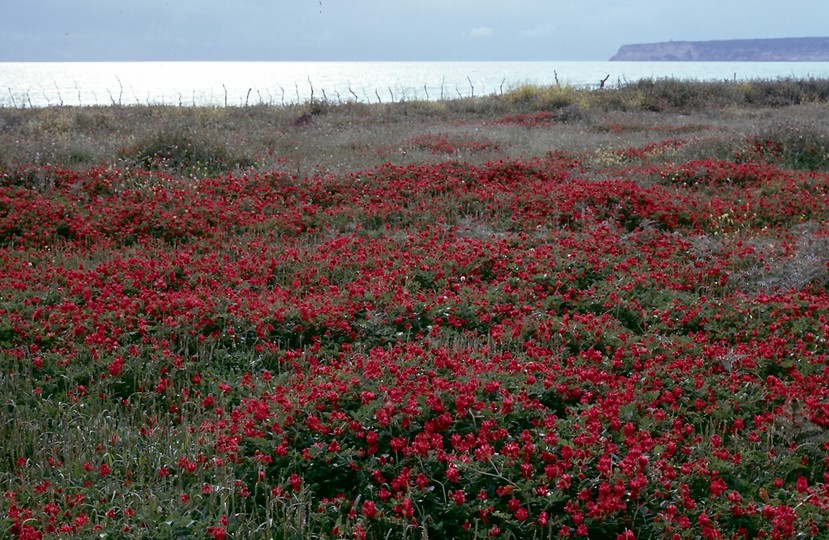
point(785, 92)
point(178, 151)
point(671, 94)
point(801, 146)
point(532, 97)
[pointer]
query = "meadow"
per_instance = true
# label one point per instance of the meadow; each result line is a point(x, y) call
point(550, 313)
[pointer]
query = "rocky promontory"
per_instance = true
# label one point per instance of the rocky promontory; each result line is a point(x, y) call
point(811, 49)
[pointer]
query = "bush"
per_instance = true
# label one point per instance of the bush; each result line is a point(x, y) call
point(785, 92)
point(670, 94)
point(178, 151)
point(548, 98)
point(716, 147)
point(801, 146)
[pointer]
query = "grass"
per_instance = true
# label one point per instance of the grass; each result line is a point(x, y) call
point(324, 136)
point(552, 312)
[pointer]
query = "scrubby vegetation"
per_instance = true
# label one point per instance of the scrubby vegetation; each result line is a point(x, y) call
point(322, 135)
point(550, 313)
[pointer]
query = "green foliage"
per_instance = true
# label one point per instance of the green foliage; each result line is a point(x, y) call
point(177, 150)
point(670, 94)
point(533, 97)
point(603, 340)
point(325, 135)
point(803, 146)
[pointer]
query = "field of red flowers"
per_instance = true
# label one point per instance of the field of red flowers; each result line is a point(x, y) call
point(535, 348)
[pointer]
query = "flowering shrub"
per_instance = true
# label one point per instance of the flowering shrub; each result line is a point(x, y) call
point(513, 350)
point(798, 147)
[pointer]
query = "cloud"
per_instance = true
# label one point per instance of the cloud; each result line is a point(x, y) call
point(482, 32)
point(546, 29)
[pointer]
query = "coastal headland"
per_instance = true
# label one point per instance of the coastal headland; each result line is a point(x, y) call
point(808, 49)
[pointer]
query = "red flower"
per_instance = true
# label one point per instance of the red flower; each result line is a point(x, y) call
point(218, 533)
point(718, 487)
point(407, 508)
point(459, 497)
point(359, 532)
point(369, 509)
point(51, 508)
point(452, 473)
point(116, 366)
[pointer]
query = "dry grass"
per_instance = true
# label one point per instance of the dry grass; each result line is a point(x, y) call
point(716, 118)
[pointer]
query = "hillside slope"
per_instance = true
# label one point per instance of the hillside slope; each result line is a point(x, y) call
point(736, 50)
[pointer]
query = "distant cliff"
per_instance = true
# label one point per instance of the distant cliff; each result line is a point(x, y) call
point(814, 49)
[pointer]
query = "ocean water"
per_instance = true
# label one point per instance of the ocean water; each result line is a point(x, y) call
point(24, 84)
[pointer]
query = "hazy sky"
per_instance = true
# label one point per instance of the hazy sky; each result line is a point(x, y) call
point(91, 30)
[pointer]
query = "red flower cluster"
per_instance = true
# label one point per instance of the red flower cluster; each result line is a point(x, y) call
point(518, 349)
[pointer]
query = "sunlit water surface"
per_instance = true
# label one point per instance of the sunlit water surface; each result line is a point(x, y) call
point(24, 84)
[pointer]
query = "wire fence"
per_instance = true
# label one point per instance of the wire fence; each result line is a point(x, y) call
point(55, 95)
point(231, 84)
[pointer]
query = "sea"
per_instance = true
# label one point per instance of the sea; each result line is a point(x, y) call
point(45, 84)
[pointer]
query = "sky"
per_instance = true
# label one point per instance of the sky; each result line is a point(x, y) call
point(382, 30)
